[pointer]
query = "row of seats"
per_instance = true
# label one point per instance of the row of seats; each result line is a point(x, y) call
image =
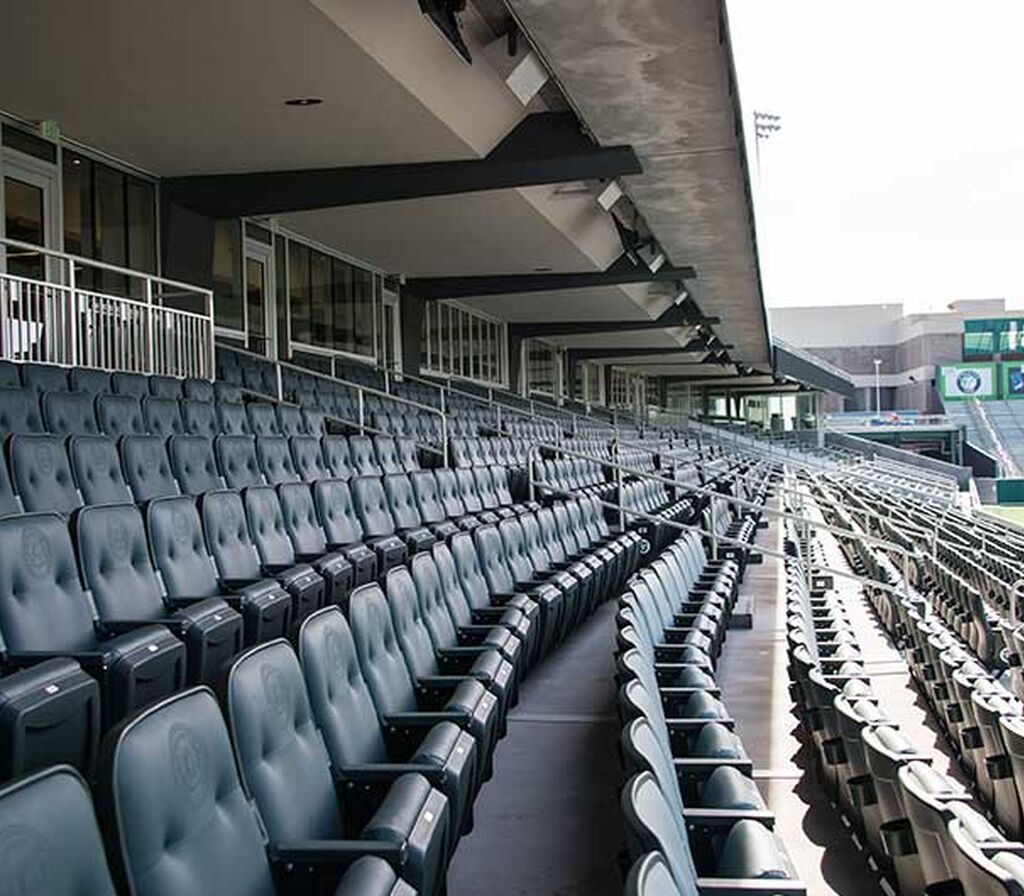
point(487, 450)
point(52, 378)
point(695, 819)
point(920, 825)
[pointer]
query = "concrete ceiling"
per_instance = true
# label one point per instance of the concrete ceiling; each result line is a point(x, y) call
point(656, 74)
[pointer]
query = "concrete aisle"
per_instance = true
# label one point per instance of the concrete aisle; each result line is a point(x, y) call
point(548, 823)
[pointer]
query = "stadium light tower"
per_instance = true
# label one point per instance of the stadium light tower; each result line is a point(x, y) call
point(765, 125)
point(878, 388)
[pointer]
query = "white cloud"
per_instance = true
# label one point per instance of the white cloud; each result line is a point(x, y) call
point(898, 174)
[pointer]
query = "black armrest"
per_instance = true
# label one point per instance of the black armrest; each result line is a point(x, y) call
point(235, 584)
point(727, 817)
point(423, 719)
point(120, 626)
point(727, 886)
point(91, 661)
point(338, 853)
point(375, 773)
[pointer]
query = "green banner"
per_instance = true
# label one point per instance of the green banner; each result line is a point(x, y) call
point(958, 382)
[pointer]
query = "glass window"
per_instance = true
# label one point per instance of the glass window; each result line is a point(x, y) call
point(298, 291)
point(77, 183)
point(227, 275)
point(365, 288)
point(25, 218)
point(321, 303)
point(281, 288)
point(141, 206)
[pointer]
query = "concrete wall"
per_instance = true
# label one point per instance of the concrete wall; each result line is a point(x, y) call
point(875, 449)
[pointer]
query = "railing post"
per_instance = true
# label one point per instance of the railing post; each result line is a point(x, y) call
point(362, 412)
point(280, 383)
point(74, 322)
point(150, 364)
point(444, 439)
point(713, 528)
point(619, 496)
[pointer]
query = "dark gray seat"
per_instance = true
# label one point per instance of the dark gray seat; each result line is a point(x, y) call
point(200, 418)
point(408, 453)
point(371, 506)
point(45, 611)
point(69, 413)
point(44, 377)
point(162, 416)
point(41, 473)
point(289, 420)
point(115, 561)
point(96, 466)
point(364, 458)
point(338, 457)
point(357, 742)
point(19, 411)
point(232, 419)
point(129, 384)
point(147, 468)
point(236, 457)
point(198, 389)
point(387, 454)
point(428, 501)
point(405, 512)
point(165, 387)
point(342, 528)
point(285, 766)
point(310, 542)
point(193, 464)
point(9, 377)
point(308, 459)
point(188, 570)
point(49, 837)
point(275, 459)
point(651, 876)
point(9, 501)
point(262, 419)
point(120, 415)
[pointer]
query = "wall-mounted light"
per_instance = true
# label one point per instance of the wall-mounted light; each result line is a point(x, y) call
point(681, 297)
point(304, 101)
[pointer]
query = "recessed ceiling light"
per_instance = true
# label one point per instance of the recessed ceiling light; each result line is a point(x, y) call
point(543, 270)
point(304, 101)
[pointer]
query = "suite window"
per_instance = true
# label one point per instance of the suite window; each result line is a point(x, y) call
point(228, 301)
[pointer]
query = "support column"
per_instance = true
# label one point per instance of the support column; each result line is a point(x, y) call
point(186, 245)
point(410, 308)
point(515, 358)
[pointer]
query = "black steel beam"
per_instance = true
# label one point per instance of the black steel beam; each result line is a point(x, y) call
point(588, 354)
point(544, 148)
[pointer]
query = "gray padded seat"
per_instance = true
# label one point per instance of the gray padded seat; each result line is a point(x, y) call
point(313, 422)
point(147, 468)
point(341, 526)
point(120, 415)
point(198, 389)
point(364, 458)
point(50, 840)
point(44, 377)
point(308, 458)
point(88, 379)
point(284, 765)
point(371, 507)
point(229, 392)
point(387, 454)
point(165, 387)
point(114, 556)
point(96, 466)
point(289, 420)
point(310, 542)
point(408, 454)
point(344, 711)
point(231, 419)
point(19, 411)
point(9, 501)
point(393, 687)
point(200, 418)
point(338, 457)
point(193, 464)
point(651, 876)
point(69, 413)
point(45, 609)
point(129, 384)
point(262, 419)
point(41, 473)
point(236, 457)
point(162, 416)
point(424, 490)
point(406, 513)
point(275, 459)
point(188, 570)
point(9, 377)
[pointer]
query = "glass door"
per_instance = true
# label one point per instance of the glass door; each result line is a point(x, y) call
point(29, 216)
point(259, 288)
point(390, 356)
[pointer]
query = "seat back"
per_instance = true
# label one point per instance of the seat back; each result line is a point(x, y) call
point(228, 537)
point(448, 493)
point(179, 808)
point(165, 387)
point(408, 454)
point(301, 520)
point(410, 628)
point(466, 482)
point(197, 389)
point(339, 695)
point(337, 514)
point(266, 523)
point(380, 656)
point(475, 586)
point(533, 542)
point(115, 561)
point(9, 374)
point(44, 378)
point(275, 459)
point(200, 418)
point(651, 876)
point(19, 411)
point(282, 759)
point(490, 551)
point(513, 541)
point(450, 584)
point(162, 416)
point(179, 549)
point(120, 415)
point(550, 535)
point(289, 420)
point(43, 604)
point(147, 468)
point(49, 837)
point(424, 490)
point(338, 457)
point(42, 474)
point(401, 501)
point(9, 501)
point(262, 419)
point(69, 413)
point(236, 457)
point(129, 384)
point(499, 479)
point(433, 604)
point(307, 458)
point(485, 488)
point(97, 470)
point(193, 464)
point(364, 458)
point(371, 507)
point(387, 454)
point(232, 419)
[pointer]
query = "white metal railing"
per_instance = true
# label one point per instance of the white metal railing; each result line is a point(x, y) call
point(156, 326)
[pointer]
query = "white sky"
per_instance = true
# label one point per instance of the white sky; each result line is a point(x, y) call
point(898, 174)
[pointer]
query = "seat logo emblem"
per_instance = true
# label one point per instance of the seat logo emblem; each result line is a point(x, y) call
point(189, 764)
point(119, 540)
point(26, 858)
point(179, 525)
point(44, 459)
point(36, 551)
point(276, 691)
point(645, 546)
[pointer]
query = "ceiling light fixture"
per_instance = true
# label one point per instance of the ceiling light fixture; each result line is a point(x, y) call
point(684, 294)
point(304, 101)
point(611, 194)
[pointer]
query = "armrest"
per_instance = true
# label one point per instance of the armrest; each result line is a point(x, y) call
point(728, 886)
point(91, 661)
point(503, 597)
point(338, 853)
point(727, 817)
point(442, 682)
point(235, 584)
point(485, 614)
point(120, 626)
point(379, 772)
point(702, 766)
point(187, 601)
point(464, 652)
point(423, 719)
point(683, 725)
